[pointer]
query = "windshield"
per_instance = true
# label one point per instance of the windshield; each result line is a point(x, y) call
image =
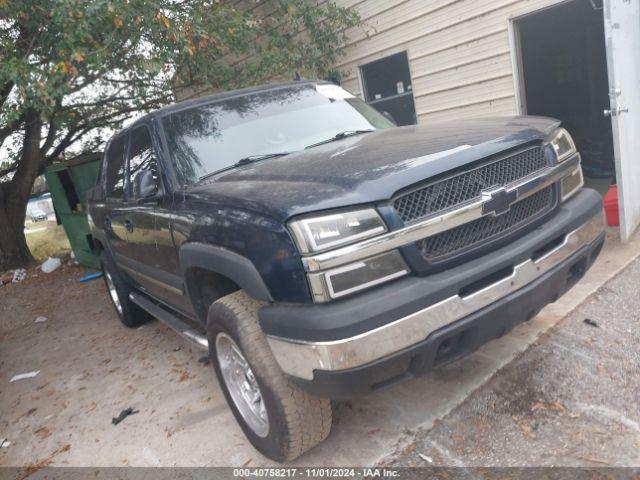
point(211, 137)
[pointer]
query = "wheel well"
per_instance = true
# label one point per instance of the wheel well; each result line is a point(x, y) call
point(205, 287)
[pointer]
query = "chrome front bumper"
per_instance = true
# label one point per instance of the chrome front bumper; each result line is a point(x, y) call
point(301, 359)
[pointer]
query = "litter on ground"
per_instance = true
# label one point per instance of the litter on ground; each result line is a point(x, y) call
point(51, 264)
point(24, 376)
point(41, 319)
point(590, 322)
point(425, 458)
point(19, 275)
point(13, 276)
point(90, 276)
point(123, 414)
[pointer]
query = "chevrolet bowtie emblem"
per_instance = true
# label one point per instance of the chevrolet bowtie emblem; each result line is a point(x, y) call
point(497, 202)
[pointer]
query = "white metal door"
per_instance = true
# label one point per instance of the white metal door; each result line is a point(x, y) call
point(622, 33)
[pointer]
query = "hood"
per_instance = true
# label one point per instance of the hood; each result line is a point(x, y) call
point(368, 168)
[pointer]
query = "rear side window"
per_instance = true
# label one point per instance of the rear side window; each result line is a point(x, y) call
point(115, 168)
point(141, 156)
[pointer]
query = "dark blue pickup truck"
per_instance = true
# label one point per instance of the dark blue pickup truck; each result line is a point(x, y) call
point(318, 251)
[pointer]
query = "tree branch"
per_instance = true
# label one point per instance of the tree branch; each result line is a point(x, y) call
point(11, 128)
point(5, 92)
point(7, 171)
point(52, 129)
point(63, 144)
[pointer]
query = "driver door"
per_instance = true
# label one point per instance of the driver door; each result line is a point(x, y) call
point(143, 258)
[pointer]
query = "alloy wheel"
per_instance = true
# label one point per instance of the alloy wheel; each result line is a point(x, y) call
point(242, 384)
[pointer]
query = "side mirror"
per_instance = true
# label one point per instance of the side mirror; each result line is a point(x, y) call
point(144, 185)
point(388, 116)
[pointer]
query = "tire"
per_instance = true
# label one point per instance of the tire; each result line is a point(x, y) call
point(130, 314)
point(295, 420)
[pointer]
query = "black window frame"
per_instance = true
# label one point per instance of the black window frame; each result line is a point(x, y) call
point(129, 181)
point(108, 195)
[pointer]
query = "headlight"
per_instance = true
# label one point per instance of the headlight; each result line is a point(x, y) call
point(562, 144)
point(315, 234)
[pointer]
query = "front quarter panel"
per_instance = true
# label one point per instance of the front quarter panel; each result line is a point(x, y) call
point(263, 241)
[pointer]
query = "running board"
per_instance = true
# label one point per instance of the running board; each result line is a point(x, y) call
point(171, 321)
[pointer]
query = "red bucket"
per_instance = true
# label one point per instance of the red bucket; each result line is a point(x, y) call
point(611, 206)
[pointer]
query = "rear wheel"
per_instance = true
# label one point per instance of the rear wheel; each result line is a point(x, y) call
point(279, 419)
point(129, 313)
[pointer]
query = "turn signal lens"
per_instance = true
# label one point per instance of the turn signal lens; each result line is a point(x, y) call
point(357, 276)
point(571, 184)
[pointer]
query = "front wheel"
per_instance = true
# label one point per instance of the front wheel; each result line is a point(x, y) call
point(279, 419)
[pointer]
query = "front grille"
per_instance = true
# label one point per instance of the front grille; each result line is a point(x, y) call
point(460, 188)
point(469, 235)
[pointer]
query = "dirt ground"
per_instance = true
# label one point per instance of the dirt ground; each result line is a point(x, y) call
point(91, 369)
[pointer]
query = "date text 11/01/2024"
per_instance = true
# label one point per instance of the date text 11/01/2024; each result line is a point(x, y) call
point(317, 472)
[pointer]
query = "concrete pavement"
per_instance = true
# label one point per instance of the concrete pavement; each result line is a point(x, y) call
point(570, 400)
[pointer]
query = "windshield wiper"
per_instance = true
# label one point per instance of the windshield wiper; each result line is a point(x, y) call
point(262, 156)
point(340, 136)
point(244, 161)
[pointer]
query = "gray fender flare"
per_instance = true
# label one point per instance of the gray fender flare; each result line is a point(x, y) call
point(224, 262)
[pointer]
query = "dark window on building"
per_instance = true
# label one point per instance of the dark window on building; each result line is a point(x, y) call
point(115, 168)
point(387, 87)
point(141, 156)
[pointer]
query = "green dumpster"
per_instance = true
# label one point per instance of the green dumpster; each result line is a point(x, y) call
point(68, 183)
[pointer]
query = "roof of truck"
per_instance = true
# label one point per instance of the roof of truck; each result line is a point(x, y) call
point(185, 104)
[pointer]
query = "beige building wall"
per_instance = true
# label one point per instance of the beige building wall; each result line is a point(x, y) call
point(459, 51)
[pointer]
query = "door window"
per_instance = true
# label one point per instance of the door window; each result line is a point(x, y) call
point(141, 157)
point(115, 168)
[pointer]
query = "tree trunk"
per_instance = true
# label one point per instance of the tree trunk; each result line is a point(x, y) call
point(14, 251)
point(14, 196)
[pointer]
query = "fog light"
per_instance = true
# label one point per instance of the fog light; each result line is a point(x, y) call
point(357, 276)
point(570, 184)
